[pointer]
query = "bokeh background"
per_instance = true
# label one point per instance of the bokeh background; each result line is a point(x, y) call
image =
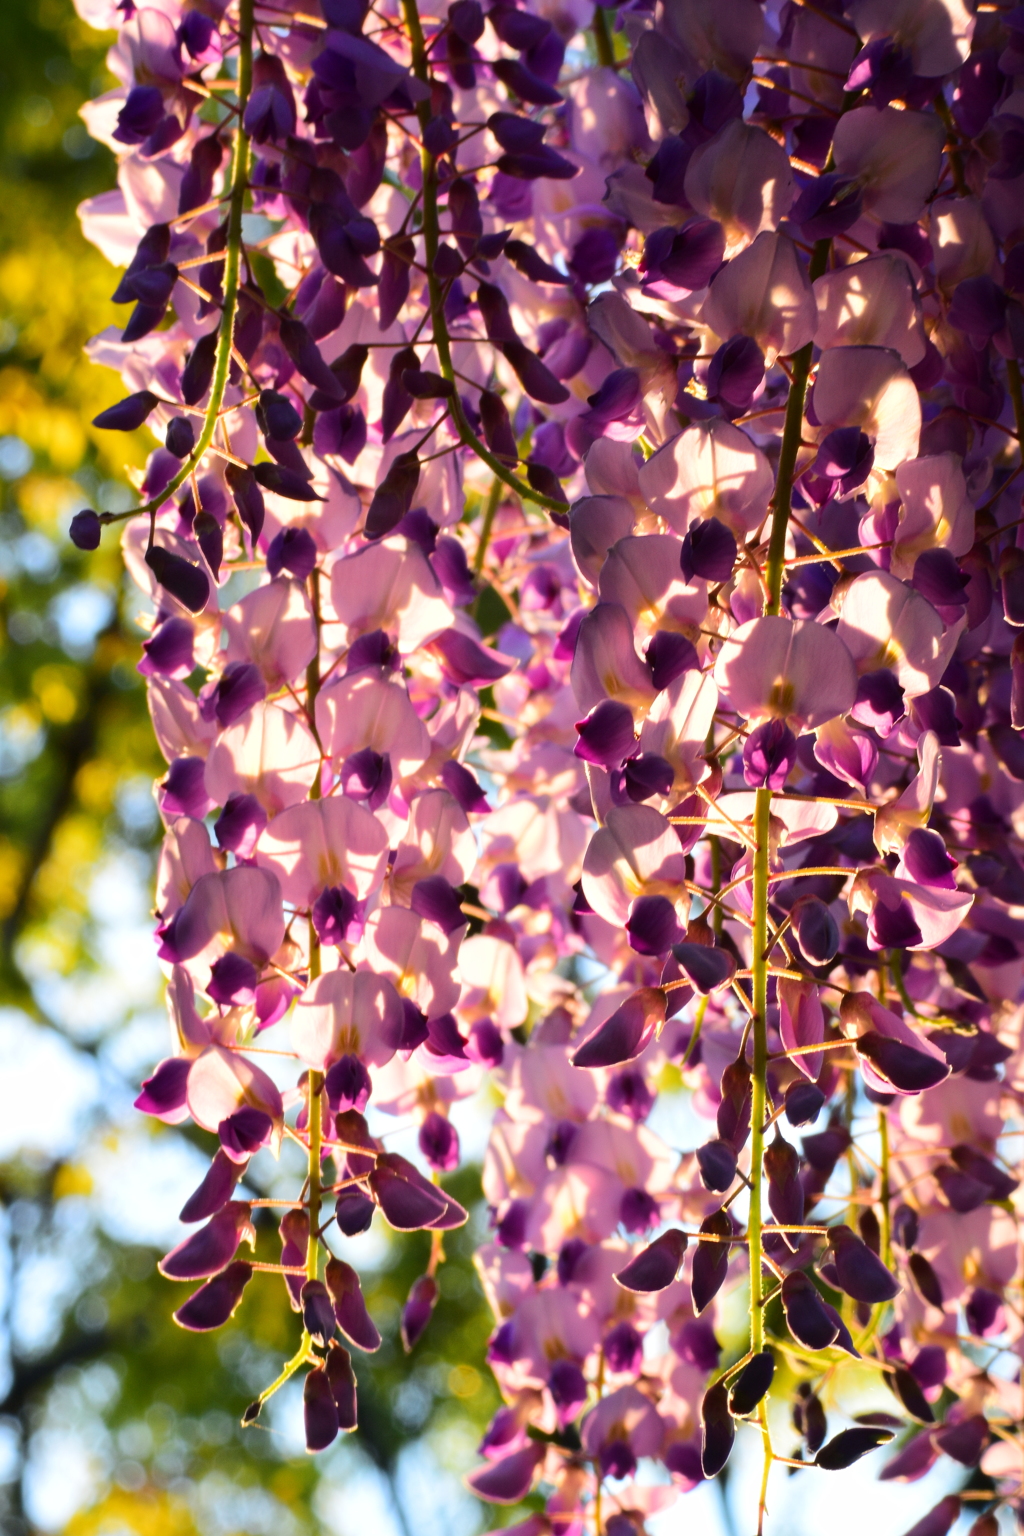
point(112, 1422)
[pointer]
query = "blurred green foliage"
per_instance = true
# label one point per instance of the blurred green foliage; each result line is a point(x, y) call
point(89, 1356)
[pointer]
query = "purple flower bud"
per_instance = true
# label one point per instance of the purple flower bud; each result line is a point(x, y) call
point(181, 437)
point(211, 1248)
point(407, 1200)
point(568, 1387)
point(232, 981)
point(628, 1094)
point(845, 457)
point(320, 1411)
point(366, 775)
point(85, 529)
point(569, 1256)
point(624, 1350)
point(504, 887)
point(183, 580)
point(638, 1211)
point(464, 660)
point(292, 550)
point(418, 1310)
point(347, 1085)
point(438, 902)
point(317, 1312)
point(652, 925)
point(213, 1303)
point(861, 1273)
point(244, 1132)
point(849, 1446)
point(686, 258)
point(882, 68)
point(439, 1142)
point(655, 1267)
point(183, 792)
point(879, 701)
point(141, 115)
point(938, 578)
point(804, 1102)
point(706, 968)
point(709, 550)
point(624, 1035)
point(808, 1321)
point(716, 1161)
point(127, 414)
point(507, 1481)
point(163, 1094)
point(669, 655)
point(769, 753)
point(349, 1307)
point(353, 1212)
point(215, 1191)
point(717, 1429)
point(337, 916)
point(936, 711)
point(827, 207)
point(239, 825)
point(240, 687)
point(169, 651)
point(735, 374)
point(595, 256)
point(908, 1070)
point(816, 930)
point(606, 735)
point(964, 1441)
point(752, 1383)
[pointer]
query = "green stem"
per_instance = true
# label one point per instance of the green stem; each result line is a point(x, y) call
point(759, 974)
point(232, 263)
point(490, 510)
point(791, 432)
point(603, 39)
point(885, 1192)
point(431, 236)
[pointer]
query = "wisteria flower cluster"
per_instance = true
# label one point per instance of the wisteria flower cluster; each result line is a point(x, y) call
point(586, 541)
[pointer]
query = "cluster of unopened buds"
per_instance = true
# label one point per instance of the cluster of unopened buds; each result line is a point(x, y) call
point(586, 568)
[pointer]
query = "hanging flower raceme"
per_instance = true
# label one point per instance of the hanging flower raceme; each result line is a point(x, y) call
point(586, 529)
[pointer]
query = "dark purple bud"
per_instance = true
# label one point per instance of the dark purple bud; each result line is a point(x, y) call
point(926, 1281)
point(734, 1108)
point(531, 263)
point(706, 968)
point(320, 1411)
point(516, 134)
point(407, 1200)
point(366, 775)
point(879, 701)
point(537, 380)
point(525, 84)
point(239, 825)
point(308, 359)
point(507, 1481)
point(930, 1366)
point(769, 753)
point(695, 1342)
point(418, 1310)
point(439, 1142)
point(317, 1312)
point(244, 1132)
point(815, 929)
point(198, 371)
point(716, 1161)
point(638, 1211)
point(907, 1392)
point(211, 1248)
point(628, 1094)
point(669, 655)
point(215, 1190)
point(127, 414)
point(978, 308)
point(709, 550)
point(804, 1102)
point(248, 498)
point(348, 1307)
point(808, 1321)
point(342, 1381)
point(595, 256)
point(439, 135)
point(964, 1441)
point(861, 1273)
point(825, 1149)
point(353, 1212)
point(652, 925)
point(938, 578)
point(164, 1092)
point(181, 437)
point(785, 1191)
point(827, 206)
point(904, 1226)
point(845, 457)
point(691, 256)
point(466, 19)
point(277, 417)
point(213, 1303)
point(718, 1430)
point(624, 1035)
point(544, 480)
point(497, 427)
point(568, 1387)
point(183, 580)
point(624, 1350)
point(393, 496)
point(936, 711)
point(815, 1424)
point(293, 486)
point(232, 981)
point(939, 1521)
point(210, 537)
point(485, 1044)
point(751, 1384)
point(656, 1266)
point(396, 401)
point(849, 1446)
point(710, 1260)
point(646, 776)
point(414, 1026)
point(85, 528)
point(292, 550)
point(183, 792)
point(347, 1085)
point(735, 374)
point(908, 1070)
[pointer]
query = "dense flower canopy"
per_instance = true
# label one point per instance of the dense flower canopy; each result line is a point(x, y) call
point(586, 572)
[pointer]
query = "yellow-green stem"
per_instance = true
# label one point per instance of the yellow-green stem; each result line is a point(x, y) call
point(783, 501)
point(491, 508)
point(442, 343)
point(603, 38)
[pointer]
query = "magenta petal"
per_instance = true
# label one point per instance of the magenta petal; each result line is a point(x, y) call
point(211, 1248)
point(507, 1481)
point(163, 1094)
